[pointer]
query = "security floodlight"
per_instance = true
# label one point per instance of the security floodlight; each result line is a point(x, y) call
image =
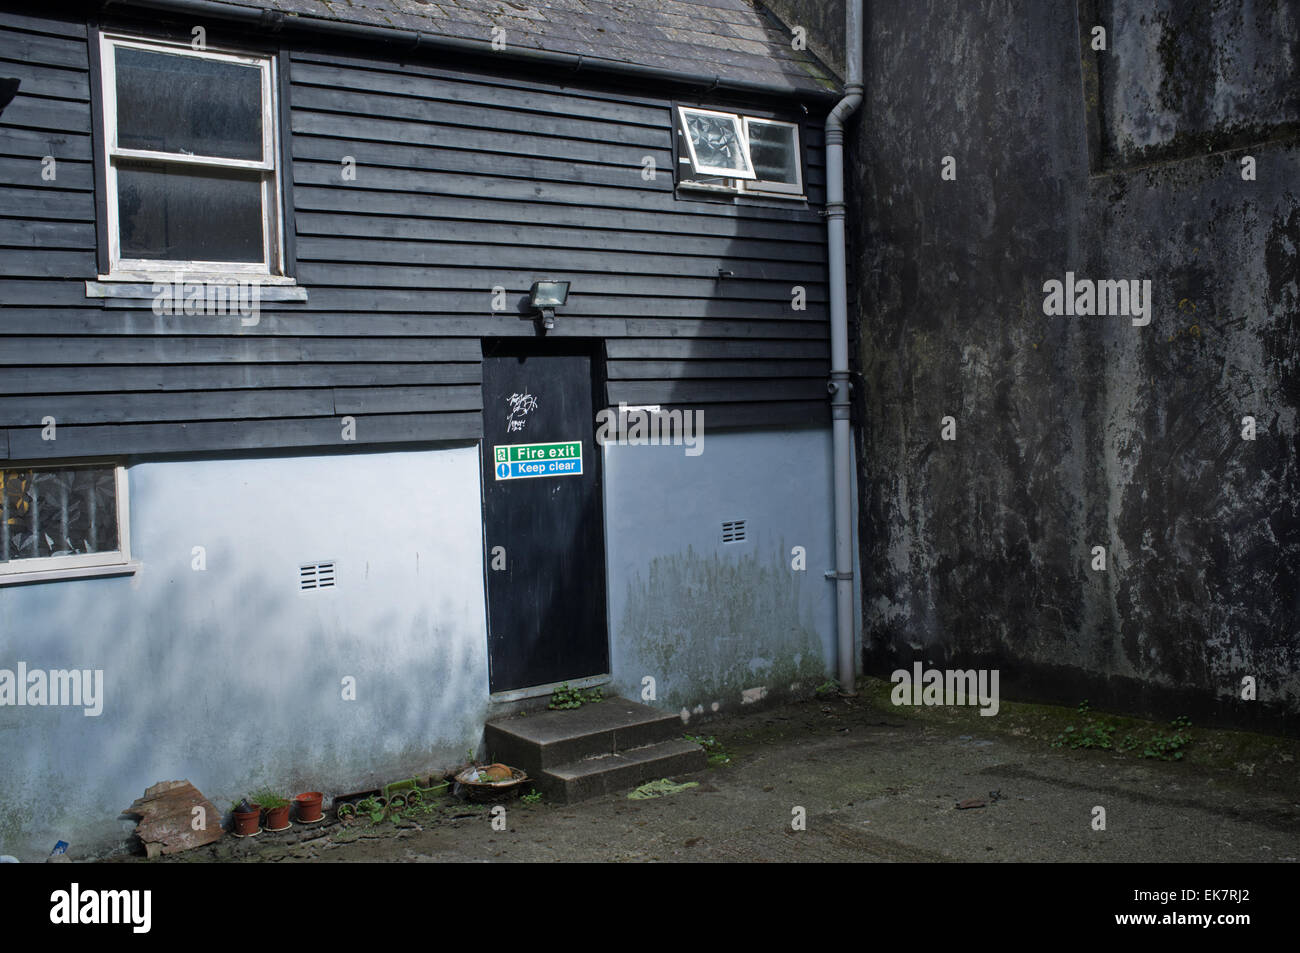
point(545, 297)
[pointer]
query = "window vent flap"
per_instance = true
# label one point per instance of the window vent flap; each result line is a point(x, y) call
point(733, 531)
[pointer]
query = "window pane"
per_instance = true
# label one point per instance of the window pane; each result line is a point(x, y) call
point(688, 176)
point(180, 213)
point(174, 103)
point(716, 140)
point(773, 151)
point(57, 512)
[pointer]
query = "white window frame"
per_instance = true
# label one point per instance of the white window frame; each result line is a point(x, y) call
point(734, 185)
point(766, 186)
point(144, 269)
point(82, 564)
point(741, 138)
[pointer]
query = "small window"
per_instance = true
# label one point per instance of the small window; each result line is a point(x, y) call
point(190, 147)
point(771, 150)
point(774, 147)
point(62, 517)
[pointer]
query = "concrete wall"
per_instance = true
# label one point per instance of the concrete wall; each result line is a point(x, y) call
point(231, 677)
point(720, 625)
point(1074, 431)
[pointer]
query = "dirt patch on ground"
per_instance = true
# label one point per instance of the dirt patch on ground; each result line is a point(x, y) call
point(848, 779)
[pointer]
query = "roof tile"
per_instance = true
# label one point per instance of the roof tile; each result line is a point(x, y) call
point(729, 38)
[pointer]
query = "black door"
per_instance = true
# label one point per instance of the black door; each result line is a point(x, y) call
point(543, 524)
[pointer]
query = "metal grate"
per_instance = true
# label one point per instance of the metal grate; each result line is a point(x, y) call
point(316, 575)
point(733, 531)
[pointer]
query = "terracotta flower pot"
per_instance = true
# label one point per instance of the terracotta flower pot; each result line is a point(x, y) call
point(309, 806)
point(277, 818)
point(245, 822)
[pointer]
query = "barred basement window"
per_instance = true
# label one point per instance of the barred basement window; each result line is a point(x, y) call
point(190, 159)
point(62, 517)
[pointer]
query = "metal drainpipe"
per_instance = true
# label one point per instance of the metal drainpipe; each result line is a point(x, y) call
point(839, 382)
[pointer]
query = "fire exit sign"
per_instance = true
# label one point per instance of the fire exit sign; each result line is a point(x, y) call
point(524, 460)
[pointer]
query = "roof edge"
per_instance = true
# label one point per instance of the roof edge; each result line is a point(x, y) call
point(276, 22)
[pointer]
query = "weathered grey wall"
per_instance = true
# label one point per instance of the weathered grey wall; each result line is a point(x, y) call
point(1074, 432)
point(823, 23)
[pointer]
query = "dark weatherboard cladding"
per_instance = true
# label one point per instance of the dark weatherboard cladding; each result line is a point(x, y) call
point(467, 179)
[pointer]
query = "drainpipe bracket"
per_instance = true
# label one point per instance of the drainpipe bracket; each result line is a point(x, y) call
point(838, 576)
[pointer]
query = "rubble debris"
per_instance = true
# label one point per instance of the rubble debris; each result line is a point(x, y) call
point(971, 802)
point(169, 822)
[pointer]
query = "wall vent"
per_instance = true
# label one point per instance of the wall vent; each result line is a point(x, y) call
point(733, 531)
point(316, 575)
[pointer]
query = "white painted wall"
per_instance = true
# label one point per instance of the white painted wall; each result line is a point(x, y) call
point(713, 622)
point(230, 677)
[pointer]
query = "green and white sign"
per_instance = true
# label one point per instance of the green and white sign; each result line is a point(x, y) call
point(518, 461)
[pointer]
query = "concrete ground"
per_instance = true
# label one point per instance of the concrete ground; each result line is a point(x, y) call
point(879, 783)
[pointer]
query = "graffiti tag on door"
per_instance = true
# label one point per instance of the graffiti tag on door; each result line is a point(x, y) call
point(521, 405)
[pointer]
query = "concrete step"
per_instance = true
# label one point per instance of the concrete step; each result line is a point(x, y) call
point(621, 771)
point(543, 740)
